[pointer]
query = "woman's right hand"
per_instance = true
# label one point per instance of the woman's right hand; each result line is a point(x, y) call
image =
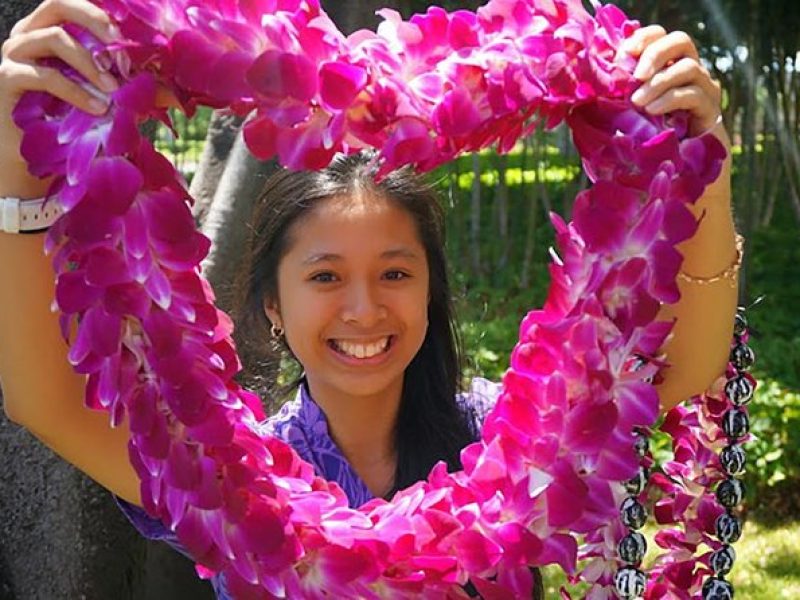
point(39, 36)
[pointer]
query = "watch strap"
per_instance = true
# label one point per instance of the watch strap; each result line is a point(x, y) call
point(27, 216)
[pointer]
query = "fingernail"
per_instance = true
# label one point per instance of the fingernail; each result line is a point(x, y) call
point(108, 83)
point(98, 106)
point(638, 96)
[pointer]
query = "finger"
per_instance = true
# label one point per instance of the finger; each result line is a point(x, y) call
point(693, 98)
point(683, 73)
point(54, 41)
point(657, 55)
point(45, 79)
point(79, 12)
point(642, 38)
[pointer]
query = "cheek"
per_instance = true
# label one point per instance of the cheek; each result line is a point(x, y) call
point(305, 316)
point(415, 313)
point(302, 315)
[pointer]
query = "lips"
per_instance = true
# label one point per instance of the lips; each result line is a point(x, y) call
point(361, 350)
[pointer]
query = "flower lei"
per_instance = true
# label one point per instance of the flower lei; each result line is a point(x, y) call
point(547, 472)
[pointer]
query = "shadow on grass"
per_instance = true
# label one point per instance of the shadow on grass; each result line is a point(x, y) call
point(785, 564)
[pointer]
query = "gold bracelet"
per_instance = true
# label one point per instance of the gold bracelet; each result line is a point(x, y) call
point(729, 273)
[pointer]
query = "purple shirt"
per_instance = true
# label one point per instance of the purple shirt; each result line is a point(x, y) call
point(302, 424)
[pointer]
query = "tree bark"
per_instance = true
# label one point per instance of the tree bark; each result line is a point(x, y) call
point(475, 217)
point(227, 218)
point(501, 198)
point(222, 131)
point(529, 193)
point(353, 15)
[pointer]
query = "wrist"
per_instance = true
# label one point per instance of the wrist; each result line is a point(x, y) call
point(729, 275)
point(15, 179)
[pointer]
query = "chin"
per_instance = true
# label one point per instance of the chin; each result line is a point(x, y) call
point(365, 385)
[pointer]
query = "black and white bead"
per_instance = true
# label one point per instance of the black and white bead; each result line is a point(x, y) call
point(730, 492)
point(736, 423)
point(739, 323)
point(641, 444)
point(722, 560)
point(634, 514)
point(739, 389)
point(636, 485)
point(742, 357)
point(733, 459)
point(632, 548)
point(630, 582)
point(729, 528)
point(717, 589)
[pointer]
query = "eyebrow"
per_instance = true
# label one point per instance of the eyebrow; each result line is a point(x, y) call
point(401, 252)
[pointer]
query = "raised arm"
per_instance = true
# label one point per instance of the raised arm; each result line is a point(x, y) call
point(40, 390)
point(698, 351)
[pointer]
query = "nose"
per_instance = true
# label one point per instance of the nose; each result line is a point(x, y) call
point(363, 305)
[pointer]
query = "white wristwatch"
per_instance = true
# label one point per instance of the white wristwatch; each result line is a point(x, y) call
point(27, 216)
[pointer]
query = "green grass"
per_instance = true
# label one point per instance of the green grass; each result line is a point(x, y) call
point(767, 565)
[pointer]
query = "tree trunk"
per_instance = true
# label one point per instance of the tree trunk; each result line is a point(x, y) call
point(353, 15)
point(530, 193)
point(791, 155)
point(475, 217)
point(501, 197)
point(771, 179)
point(227, 217)
point(457, 243)
point(221, 135)
point(581, 182)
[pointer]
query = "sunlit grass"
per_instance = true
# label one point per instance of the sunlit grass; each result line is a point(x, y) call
point(515, 176)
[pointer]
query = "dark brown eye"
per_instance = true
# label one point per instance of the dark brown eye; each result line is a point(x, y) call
point(396, 275)
point(324, 277)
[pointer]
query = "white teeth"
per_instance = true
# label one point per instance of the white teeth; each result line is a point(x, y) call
point(362, 350)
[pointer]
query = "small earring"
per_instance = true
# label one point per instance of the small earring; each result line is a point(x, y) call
point(276, 331)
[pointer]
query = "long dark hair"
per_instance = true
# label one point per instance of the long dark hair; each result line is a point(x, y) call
point(431, 425)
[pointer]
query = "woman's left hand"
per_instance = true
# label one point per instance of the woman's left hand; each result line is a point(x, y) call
point(673, 78)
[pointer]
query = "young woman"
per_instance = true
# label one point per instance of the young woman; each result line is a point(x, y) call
point(349, 276)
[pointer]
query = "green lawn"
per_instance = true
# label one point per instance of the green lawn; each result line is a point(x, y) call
point(767, 566)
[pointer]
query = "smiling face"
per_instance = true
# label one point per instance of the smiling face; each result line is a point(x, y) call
point(353, 292)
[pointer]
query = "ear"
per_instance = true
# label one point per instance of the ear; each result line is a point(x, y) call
point(273, 312)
